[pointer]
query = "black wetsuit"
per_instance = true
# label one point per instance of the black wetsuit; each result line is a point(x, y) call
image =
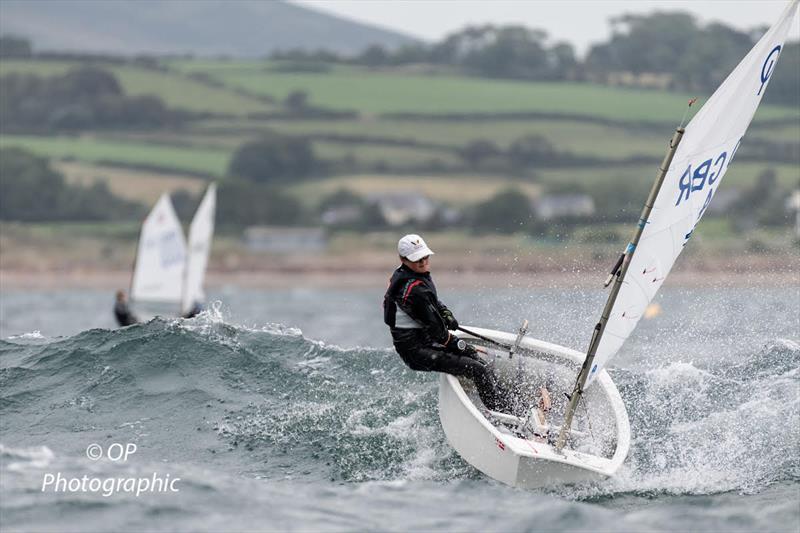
point(124, 315)
point(431, 347)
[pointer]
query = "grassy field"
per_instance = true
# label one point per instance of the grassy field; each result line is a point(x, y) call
point(460, 191)
point(38, 68)
point(137, 185)
point(188, 139)
point(741, 174)
point(453, 190)
point(207, 159)
point(786, 133)
point(368, 153)
point(176, 91)
point(246, 65)
point(575, 136)
point(584, 138)
point(210, 153)
point(390, 92)
point(83, 158)
point(203, 160)
point(392, 155)
point(356, 88)
point(205, 147)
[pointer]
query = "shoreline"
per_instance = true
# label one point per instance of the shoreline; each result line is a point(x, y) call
point(276, 278)
point(43, 259)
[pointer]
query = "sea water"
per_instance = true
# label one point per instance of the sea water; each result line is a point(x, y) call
point(288, 410)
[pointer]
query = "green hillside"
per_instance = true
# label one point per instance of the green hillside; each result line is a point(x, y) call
point(580, 137)
point(176, 91)
point(741, 174)
point(200, 160)
point(604, 143)
point(369, 91)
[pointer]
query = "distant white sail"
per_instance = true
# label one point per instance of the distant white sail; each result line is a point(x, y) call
point(201, 232)
point(160, 258)
point(698, 167)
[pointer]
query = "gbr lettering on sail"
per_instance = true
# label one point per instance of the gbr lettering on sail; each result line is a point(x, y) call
point(704, 175)
point(701, 177)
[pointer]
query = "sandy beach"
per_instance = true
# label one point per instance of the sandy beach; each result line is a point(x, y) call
point(373, 271)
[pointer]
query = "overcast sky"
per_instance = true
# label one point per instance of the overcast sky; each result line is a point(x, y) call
point(579, 22)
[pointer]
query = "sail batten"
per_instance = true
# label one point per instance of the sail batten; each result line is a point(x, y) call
point(699, 164)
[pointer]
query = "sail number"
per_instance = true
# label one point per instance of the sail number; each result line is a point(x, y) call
point(703, 175)
point(768, 67)
point(170, 249)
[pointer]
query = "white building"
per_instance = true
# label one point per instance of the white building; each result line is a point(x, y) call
point(285, 240)
point(404, 207)
point(552, 206)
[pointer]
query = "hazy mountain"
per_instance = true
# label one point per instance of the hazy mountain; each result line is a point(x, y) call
point(244, 28)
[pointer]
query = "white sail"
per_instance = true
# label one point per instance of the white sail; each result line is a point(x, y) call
point(160, 258)
point(698, 167)
point(201, 233)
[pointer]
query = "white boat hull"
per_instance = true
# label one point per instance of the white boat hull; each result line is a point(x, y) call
point(521, 462)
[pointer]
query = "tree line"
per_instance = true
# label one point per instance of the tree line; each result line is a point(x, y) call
point(688, 55)
point(31, 190)
point(82, 98)
point(681, 53)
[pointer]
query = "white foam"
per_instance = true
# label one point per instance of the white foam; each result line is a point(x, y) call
point(279, 329)
point(315, 363)
point(24, 458)
point(790, 344)
point(30, 335)
point(707, 444)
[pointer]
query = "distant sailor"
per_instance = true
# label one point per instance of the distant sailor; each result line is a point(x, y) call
point(122, 312)
point(421, 325)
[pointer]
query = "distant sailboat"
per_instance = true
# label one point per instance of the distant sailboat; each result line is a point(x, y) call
point(201, 232)
point(167, 276)
point(160, 257)
point(532, 448)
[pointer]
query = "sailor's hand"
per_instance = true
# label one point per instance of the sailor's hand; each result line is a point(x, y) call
point(455, 345)
point(449, 320)
point(470, 351)
point(461, 347)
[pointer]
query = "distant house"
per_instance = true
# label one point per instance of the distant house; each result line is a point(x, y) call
point(341, 215)
point(643, 80)
point(724, 199)
point(793, 204)
point(285, 240)
point(401, 208)
point(551, 206)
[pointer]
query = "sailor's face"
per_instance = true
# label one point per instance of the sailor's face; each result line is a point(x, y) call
point(421, 266)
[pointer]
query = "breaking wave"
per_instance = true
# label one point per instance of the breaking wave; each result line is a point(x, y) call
point(269, 403)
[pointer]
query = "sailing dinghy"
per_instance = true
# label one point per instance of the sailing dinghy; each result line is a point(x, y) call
point(168, 277)
point(160, 257)
point(201, 233)
point(585, 435)
point(518, 449)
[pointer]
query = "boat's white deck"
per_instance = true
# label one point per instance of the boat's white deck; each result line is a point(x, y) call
point(594, 423)
point(507, 447)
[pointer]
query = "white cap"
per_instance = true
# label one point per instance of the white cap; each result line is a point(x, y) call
point(413, 248)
